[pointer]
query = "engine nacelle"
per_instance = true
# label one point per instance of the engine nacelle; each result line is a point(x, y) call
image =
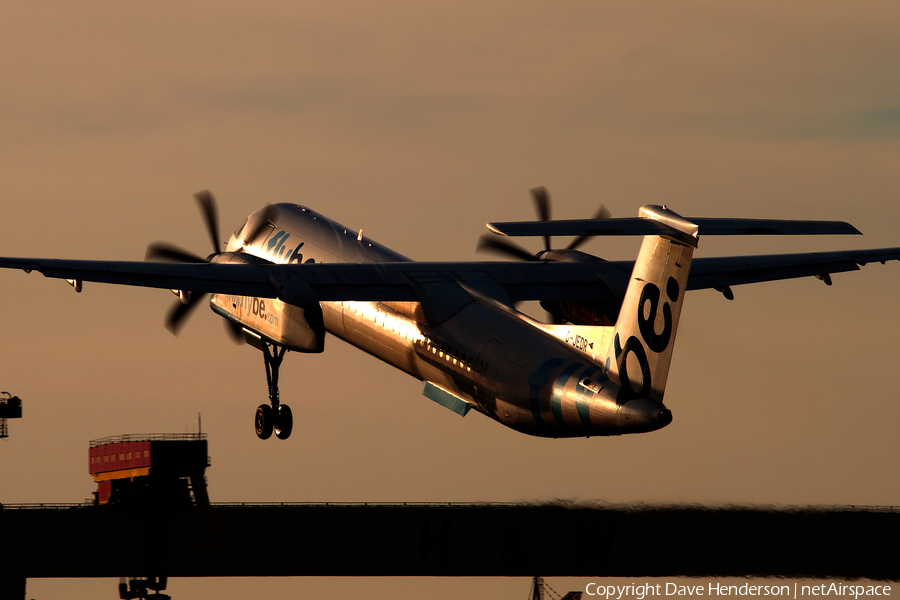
point(601, 310)
point(293, 319)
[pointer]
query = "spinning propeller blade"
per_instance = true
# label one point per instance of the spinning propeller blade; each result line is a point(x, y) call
point(210, 216)
point(166, 251)
point(602, 213)
point(177, 315)
point(542, 204)
point(497, 245)
point(491, 243)
point(179, 312)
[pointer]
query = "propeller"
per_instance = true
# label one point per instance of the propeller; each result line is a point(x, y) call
point(492, 243)
point(498, 245)
point(188, 301)
point(602, 213)
point(542, 203)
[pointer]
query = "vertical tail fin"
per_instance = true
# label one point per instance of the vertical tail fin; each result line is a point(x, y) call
point(639, 356)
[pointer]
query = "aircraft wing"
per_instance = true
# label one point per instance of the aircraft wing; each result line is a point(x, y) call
point(513, 281)
point(727, 271)
point(200, 277)
point(341, 281)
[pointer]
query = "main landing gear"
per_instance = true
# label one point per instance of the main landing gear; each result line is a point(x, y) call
point(277, 417)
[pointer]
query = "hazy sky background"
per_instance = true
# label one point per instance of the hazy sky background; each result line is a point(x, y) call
point(419, 122)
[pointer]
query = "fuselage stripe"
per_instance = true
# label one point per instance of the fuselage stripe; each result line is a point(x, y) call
point(559, 388)
point(536, 383)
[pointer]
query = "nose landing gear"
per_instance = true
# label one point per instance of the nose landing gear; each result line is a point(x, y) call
point(276, 417)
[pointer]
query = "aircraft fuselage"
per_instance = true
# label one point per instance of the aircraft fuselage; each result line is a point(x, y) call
point(470, 349)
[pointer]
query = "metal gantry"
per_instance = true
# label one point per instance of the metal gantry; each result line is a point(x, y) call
point(10, 408)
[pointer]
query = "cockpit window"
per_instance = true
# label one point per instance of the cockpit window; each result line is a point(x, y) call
point(240, 229)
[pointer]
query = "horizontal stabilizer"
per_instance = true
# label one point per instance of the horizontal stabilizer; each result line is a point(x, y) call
point(648, 226)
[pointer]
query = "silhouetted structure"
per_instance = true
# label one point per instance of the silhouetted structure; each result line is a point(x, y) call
point(10, 408)
point(559, 540)
point(152, 488)
point(538, 591)
point(153, 469)
point(139, 588)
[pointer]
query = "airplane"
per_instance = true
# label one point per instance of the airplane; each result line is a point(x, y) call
point(288, 275)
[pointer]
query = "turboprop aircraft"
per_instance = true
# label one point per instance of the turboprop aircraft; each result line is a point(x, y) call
point(289, 274)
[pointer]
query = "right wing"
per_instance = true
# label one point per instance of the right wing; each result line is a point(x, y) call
point(727, 271)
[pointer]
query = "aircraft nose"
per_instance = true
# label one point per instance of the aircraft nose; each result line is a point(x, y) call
point(644, 414)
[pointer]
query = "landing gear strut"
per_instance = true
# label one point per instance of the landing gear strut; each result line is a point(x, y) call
point(277, 417)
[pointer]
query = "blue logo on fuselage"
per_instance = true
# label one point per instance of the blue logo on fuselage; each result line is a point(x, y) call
point(277, 249)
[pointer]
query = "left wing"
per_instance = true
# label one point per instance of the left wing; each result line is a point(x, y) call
point(342, 281)
point(201, 277)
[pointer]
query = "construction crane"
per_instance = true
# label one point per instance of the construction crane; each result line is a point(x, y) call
point(10, 408)
point(539, 586)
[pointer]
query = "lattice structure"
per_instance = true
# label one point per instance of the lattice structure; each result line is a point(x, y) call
point(10, 408)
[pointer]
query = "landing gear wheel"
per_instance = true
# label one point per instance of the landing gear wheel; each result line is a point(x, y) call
point(273, 416)
point(265, 418)
point(284, 424)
